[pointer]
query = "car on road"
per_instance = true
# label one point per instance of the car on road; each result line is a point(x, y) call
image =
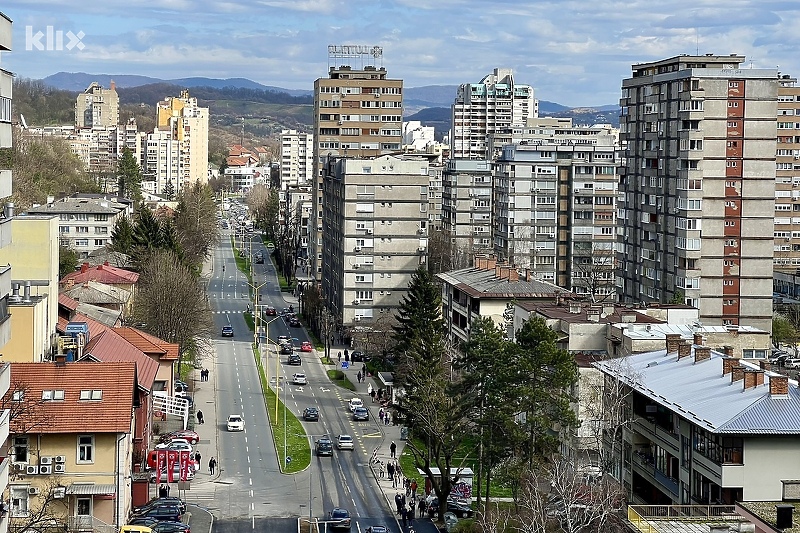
point(186, 434)
point(779, 358)
point(345, 442)
point(299, 379)
point(293, 322)
point(791, 363)
point(161, 512)
point(360, 413)
point(324, 446)
point(182, 445)
point(377, 529)
point(339, 519)
point(354, 403)
point(259, 259)
point(270, 311)
point(283, 339)
point(311, 414)
point(171, 527)
point(174, 500)
point(287, 349)
point(227, 331)
point(306, 347)
point(294, 359)
point(286, 311)
point(235, 423)
point(357, 356)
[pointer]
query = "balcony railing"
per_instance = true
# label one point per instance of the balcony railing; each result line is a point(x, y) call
point(647, 518)
point(88, 524)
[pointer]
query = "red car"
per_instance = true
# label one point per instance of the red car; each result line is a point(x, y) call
point(270, 311)
point(187, 434)
point(306, 347)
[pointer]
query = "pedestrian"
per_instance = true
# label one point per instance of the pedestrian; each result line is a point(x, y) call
point(346, 354)
point(372, 395)
point(414, 488)
point(381, 470)
point(359, 376)
point(404, 514)
point(197, 457)
point(411, 511)
point(212, 464)
point(386, 418)
point(422, 505)
point(340, 357)
point(392, 449)
point(380, 415)
point(200, 417)
point(364, 370)
point(389, 470)
point(398, 501)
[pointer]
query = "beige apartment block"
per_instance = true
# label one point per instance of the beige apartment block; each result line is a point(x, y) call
point(467, 207)
point(698, 192)
point(186, 123)
point(357, 113)
point(97, 106)
point(375, 218)
point(787, 179)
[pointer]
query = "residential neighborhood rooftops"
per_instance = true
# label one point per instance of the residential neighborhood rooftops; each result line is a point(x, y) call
point(577, 312)
point(44, 385)
point(149, 344)
point(79, 205)
point(104, 273)
point(481, 283)
point(109, 346)
point(661, 330)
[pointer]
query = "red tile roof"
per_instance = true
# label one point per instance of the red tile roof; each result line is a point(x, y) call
point(112, 414)
point(149, 344)
point(109, 346)
point(236, 161)
point(67, 302)
point(103, 273)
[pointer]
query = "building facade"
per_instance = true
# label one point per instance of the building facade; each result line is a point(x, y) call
point(467, 205)
point(297, 158)
point(787, 179)
point(97, 106)
point(494, 104)
point(375, 218)
point(187, 123)
point(357, 113)
point(700, 134)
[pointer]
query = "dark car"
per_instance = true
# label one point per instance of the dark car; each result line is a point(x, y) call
point(339, 519)
point(460, 509)
point(171, 527)
point(324, 446)
point(293, 322)
point(311, 414)
point(227, 331)
point(294, 359)
point(270, 311)
point(161, 512)
point(259, 259)
point(172, 500)
point(146, 522)
point(357, 356)
point(360, 413)
point(286, 349)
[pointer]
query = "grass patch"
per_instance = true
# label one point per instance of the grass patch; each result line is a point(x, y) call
point(297, 444)
point(248, 318)
point(338, 377)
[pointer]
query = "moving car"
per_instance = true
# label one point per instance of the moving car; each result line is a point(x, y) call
point(360, 413)
point(185, 434)
point(357, 356)
point(259, 259)
point(344, 442)
point(286, 349)
point(311, 414)
point(377, 529)
point(355, 402)
point(294, 359)
point(270, 311)
point(299, 379)
point(791, 363)
point(306, 347)
point(284, 338)
point(235, 423)
point(339, 519)
point(293, 322)
point(227, 331)
point(324, 446)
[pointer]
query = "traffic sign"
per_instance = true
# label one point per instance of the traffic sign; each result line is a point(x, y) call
point(288, 459)
point(345, 365)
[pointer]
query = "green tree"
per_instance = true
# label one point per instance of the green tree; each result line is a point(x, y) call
point(130, 176)
point(169, 191)
point(122, 235)
point(197, 230)
point(147, 235)
point(783, 331)
point(67, 260)
point(419, 318)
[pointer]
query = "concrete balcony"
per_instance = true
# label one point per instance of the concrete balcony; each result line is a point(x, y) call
point(657, 434)
point(5, 32)
point(645, 466)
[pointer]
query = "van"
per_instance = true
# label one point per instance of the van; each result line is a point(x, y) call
point(792, 363)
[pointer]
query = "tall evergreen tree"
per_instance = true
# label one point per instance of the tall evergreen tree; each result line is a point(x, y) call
point(419, 319)
point(147, 235)
point(130, 176)
point(122, 235)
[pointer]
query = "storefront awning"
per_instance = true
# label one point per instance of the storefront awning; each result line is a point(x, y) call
point(88, 489)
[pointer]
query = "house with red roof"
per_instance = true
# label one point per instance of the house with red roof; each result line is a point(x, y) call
point(106, 274)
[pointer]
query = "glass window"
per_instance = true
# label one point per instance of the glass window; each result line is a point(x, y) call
point(85, 448)
point(20, 451)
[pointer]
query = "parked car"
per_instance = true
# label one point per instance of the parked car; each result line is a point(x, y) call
point(344, 442)
point(339, 519)
point(311, 414)
point(299, 379)
point(139, 523)
point(377, 529)
point(779, 359)
point(186, 434)
point(171, 527)
point(162, 511)
point(306, 347)
point(459, 508)
point(357, 356)
point(324, 446)
point(791, 363)
point(294, 359)
point(174, 500)
point(235, 423)
point(227, 331)
point(354, 403)
point(182, 445)
point(360, 414)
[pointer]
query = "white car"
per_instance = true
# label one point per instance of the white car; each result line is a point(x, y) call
point(235, 423)
point(344, 442)
point(355, 402)
point(182, 445)
point(791, 363)
point(299, 379)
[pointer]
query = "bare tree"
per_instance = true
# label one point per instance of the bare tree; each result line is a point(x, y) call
point(48, 511)
point(444, 254)
point(196, 223)
point(27, 411)
point(327, 322)
point(593, 272)
point(376, 339)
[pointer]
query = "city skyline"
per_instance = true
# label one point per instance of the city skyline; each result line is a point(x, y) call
point(569, 53)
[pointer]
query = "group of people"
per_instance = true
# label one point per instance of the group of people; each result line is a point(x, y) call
point(384, 416)
point(204, 374)
point(408, 505)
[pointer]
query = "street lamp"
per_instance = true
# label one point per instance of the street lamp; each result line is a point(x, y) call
point(256, 313)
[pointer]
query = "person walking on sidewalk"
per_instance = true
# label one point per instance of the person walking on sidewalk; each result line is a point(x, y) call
point(389, 470)
point(200, 417)
point(212, 464)
point(392, 448)
point(404, 514)
point(380, 415)
point(398, 501)
point(386, 418)
point(340, 357)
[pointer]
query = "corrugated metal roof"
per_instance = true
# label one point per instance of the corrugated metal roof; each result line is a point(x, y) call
point(87, 489)
point(699, 392)
point(485, 284)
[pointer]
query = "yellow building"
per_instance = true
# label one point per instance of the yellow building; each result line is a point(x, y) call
point(186, 123)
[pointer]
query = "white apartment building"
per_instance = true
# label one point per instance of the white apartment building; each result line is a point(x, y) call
point(467, 205)
point(297, 159)
point(698, 192)
point(494, 104)
point(163, 164)
point(416, 137)
point(554, 205)
point(375, 218)
point(97, 107)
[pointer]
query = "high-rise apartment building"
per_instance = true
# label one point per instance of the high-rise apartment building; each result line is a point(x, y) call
point(162, 163)
point(787, 179)
point(554, 204)
point(467, 207)
point(187, 123)
point(375, 218)
point(357, 113)
point(480, 109)
point(297, 158)
point(698, 192)
point(97, 106)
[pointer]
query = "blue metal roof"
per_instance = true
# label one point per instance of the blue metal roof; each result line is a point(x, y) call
point(700, 393)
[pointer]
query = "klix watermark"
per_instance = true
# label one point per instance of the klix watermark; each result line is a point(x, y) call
point(52, 40)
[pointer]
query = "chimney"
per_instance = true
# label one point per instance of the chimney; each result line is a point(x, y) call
point(105, 263)
point(764, 365)
point(84, 268)
point(673, 341)
point(528, 275)
point(684, 350)
point(728, 363)
point(60, 359)
point(574, 308)
point(753, 378)
point(593, 315)
point(701, 353)
point(476, 262)
point(491, 262)
point(27, 297)
point(728, 350)
point(501, 272)
point(698, 339)
point(778, 385)
point(113, 86)
point(513, 274)
point(481, 262)
point(737, 373)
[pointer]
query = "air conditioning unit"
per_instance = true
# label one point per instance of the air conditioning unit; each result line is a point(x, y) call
point(551, 235)
point(341, 122)
point(369, 232)
point(356, 265)
point(59, 493)
point(61, 458)
point(33, 491)
point(356, 302)
point(46, 470)
point(421, 231)
point(357, 248)
point(377, 95)
point(32, 470)
point(59, 468)
point(356, 318)
point(421, 249)
point(45, 460)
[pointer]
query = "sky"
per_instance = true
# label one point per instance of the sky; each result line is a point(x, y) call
point(573, 52)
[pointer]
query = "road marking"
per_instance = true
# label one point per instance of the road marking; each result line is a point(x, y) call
point(323, 389)
point(371, 435)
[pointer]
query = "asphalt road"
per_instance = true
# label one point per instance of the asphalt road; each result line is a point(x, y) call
point(251, 491)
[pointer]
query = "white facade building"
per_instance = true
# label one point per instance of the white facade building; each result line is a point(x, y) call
point(416, 137)
point(297, 158)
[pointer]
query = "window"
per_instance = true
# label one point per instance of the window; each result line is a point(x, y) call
point(82, 229)
point(18, 396)
point(63, 229)
point(102, 230)
point(85, 448)
point(53, 395)
point(101, 218)
point(19, 501)
point(99, 242)
point(20, 449)
point(91, 394)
